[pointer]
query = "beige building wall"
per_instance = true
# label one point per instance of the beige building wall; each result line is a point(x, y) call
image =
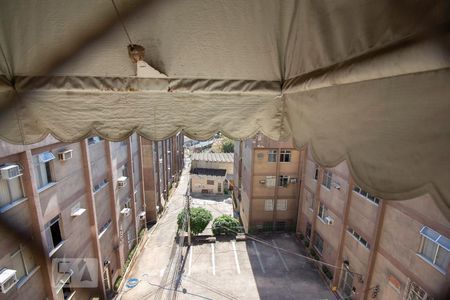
point(199, 184)
point(385, 252)
point(87, 181)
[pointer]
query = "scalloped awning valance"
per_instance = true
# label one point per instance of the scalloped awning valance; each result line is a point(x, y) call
point(367, 81)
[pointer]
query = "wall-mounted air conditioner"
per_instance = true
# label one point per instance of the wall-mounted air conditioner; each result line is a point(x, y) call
point(142, 215)
point(329, 220)
point(262, 181)
point(336, 185)
point(8, 279)
point(293, 180)
point(122, 181)
point(126, 211)
point(10, 171)
point(65, 155)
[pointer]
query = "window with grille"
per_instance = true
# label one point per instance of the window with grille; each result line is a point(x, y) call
point(210, 182)
point(285, 155)
point(310, 200)
point(346, 283)
point(283, 180)
point(268, 205)
point(322, 212)
point(272, 157)
point(326, 181)
point(99, 185)
point(282, 204)
point(42, 170)
point(308, 230)
point(415, 292)
point(435, 248)
point(358, 237)
point(366, 195)
point(11, 190)
point(318, 243)
point(270, 181)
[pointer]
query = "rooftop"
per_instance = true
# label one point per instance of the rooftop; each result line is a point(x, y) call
point(210, 172)
point(214, 157)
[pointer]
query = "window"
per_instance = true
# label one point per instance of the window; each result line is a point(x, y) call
point(53, 233)
point(346, 284)
point(435, 248)
point(310, 199)
point(41, 163)
point(415, 292)
point(270, 181)
point(283, 180)
point(316, 172)
point(11, 190)
point(94, 140)
point(210, 182)
point(268, 205)
point(308, 230)
point(103, 229)
point(326, 181)
point(272, 157)
point(123, 171)
point(322, 213)
point(130, 239)
point(22, 261)
point(127, 203)
point(282, 204)
point(219, 187)
point(358, 237)
point(99, 185)
point(285, 156)
point(366, 195)
point(318, 243)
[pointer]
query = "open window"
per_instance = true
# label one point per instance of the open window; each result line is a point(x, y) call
point(53, 235)
point(42, 169)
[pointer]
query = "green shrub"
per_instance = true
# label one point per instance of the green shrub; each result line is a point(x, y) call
point(200, 218)
point(226, 225)
point(117, 283)
point(227, 145)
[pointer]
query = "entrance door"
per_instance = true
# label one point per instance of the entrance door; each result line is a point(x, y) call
point(346, 284)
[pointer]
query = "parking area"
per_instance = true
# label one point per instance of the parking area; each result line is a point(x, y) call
point(251, 270)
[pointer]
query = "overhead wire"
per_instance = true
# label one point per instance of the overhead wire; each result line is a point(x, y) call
point(122, 22)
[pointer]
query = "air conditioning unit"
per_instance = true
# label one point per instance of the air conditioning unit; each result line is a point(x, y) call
point(262, 181)
point(126, 211)
point(122, 181)
point(10, 171)
point(293, 180)
point(142, 216)
point(329, 220)
point(8, 279)
point(65, 155)
point(336, 185)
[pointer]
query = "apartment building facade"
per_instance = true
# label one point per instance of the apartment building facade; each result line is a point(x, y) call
point(211, 173)
point(381, 249)
point(267, 183)
point(68, 203)
point(163, 162)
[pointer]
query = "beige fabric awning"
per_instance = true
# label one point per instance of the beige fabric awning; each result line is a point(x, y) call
point(367, 81)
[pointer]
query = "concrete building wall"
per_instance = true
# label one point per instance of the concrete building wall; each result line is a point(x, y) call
point(88, 181)
point(200, 184)
point(385, 251)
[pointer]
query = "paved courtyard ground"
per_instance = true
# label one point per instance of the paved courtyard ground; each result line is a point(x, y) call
point(226, 269)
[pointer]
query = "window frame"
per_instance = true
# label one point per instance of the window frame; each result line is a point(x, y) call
point(208, 182)
point(285, 156)
point(316, 238)
point(266, 206)
point(13, 202)
point(412, 294)
point(283, 181)
point(285, 206)
point(272, 156)
point(327, 179)
point(366, 195)
point(49, 234)
point(38, 162)
point(316, 173)
point(360, 239)
point(439, 246)
point(322, 212)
